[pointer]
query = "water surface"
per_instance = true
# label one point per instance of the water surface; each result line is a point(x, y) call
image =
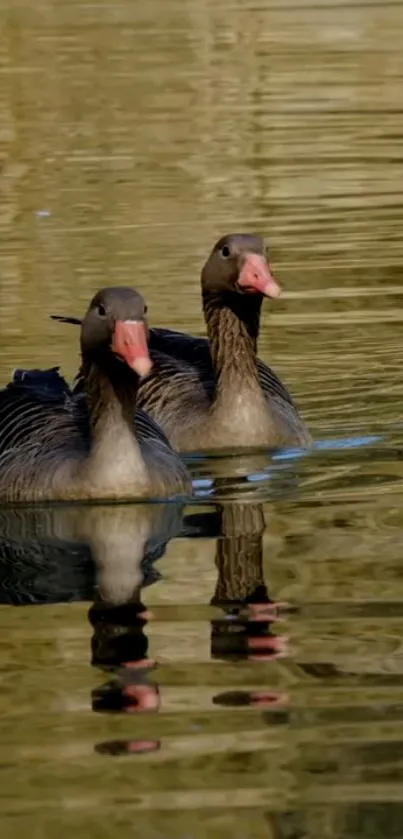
point(232, 669)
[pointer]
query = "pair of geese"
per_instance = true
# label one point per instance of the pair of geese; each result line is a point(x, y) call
point(144, 395)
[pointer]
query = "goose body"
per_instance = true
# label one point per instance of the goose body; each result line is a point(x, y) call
point(57, 446)
point(257, 411)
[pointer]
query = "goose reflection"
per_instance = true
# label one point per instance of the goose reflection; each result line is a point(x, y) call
point(104, 554)
point(123, 553)
point(245, 628)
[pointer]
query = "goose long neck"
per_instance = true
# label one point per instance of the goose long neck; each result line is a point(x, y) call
point(114, 467)
point(233, 327)
point(111, 395)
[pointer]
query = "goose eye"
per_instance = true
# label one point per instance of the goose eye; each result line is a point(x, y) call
point(145, 309)
point(225, 252)
point(101, 311)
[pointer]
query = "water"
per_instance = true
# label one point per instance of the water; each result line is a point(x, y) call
point(233, 669)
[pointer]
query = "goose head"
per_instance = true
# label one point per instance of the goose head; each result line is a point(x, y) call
point(239, 264)
point(115, 324)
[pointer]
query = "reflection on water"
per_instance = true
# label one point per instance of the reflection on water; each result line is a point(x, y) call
point(110, 554)
point(246, 662)
point(232, 670)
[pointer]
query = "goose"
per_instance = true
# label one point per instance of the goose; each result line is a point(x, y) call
point(55, 446)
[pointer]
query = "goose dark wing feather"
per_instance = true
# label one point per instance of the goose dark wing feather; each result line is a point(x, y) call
point(67, 319)
point(22, 415)
point(47, 391)
point(46, 382)
point(173, 387)
point(271, 384)
point(32, 413)
point(146, 428)
point(183, 347)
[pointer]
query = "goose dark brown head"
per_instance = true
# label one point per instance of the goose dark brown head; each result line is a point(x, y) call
point(115, 323)
point(238, 263)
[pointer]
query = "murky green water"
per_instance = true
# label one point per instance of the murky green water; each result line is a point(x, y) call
point(233, 670)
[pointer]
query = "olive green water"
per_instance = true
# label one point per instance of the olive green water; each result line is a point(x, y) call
point(254, 686)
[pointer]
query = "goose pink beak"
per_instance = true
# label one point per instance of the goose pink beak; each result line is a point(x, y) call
point(130, 343)
point(255, 276)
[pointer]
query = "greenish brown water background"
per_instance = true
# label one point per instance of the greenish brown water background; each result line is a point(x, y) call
point(131, 137)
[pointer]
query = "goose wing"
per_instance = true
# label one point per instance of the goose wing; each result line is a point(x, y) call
point(34, 406)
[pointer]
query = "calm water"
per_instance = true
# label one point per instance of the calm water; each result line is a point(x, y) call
point(232, 670)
